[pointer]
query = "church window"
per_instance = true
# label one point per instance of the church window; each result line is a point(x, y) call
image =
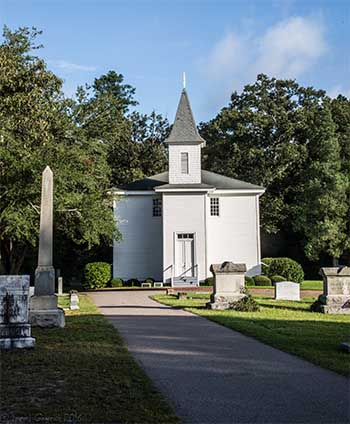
point(157, 207)
point(184, 163)
point(214, 206)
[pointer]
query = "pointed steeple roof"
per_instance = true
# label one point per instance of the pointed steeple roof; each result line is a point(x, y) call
point(184, 130)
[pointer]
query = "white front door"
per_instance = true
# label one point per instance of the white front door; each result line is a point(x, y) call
point(184, 255)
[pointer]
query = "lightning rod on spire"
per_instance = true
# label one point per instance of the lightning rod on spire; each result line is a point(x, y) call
point(184, 80)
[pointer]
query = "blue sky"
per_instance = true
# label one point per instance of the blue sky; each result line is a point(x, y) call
point(222, 45)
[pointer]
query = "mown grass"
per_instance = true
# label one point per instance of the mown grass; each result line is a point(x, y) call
point(312, 285)
point(289, 326)
point(305, 285)
point(80, 374)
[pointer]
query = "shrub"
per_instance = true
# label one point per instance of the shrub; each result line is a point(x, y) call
point(97, 275)
point(277, 279)
point(150, 280)
point(116, 282)
point(133, 282)
point(317, 305)
point(249, 281)
point(262, 280)
point(209, 281)
point(287, 267)
point(246, 304)
point(265, 265)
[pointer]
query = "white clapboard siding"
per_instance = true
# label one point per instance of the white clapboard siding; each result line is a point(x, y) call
point(234, 234)
point(140, 252)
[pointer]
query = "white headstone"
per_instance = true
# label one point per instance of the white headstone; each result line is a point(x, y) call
point(74, 302)
point(60, 286)
point(287, 290)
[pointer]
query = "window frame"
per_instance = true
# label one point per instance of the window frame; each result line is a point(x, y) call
point(215, 206)
point(185, 160)
point(157, 207)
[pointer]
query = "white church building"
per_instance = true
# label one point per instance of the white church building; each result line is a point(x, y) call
point(174, 225)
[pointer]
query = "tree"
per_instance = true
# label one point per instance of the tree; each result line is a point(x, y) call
point(148, 134)
point(36, 129)
point(134, 141)
point(255, 139)
point(340, 108)
point(320, 205)
point(282, 136)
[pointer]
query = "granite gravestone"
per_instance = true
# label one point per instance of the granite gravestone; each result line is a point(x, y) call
point(44, 311)
point(228, 284)
point(287, 290)
point(15, 330)
point(336, 290)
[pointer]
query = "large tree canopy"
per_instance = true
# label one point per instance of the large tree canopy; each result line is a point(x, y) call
point(35, 131)
point(292, 140)
point(91, 142)
point(134, 141)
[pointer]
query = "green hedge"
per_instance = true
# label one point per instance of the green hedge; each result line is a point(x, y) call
point(288, 268)
point(262, 280)
point(265, 265)
point(277, 278)
point(117, 282)
point(209, 281)
point(133, 282)
point(249, 281)
point(97, 275)
point(150, 280)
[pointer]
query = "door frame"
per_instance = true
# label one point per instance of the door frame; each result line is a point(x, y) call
point(194, 251)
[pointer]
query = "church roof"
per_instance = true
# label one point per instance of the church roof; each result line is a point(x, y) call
point(184, 130)
point(209, 180)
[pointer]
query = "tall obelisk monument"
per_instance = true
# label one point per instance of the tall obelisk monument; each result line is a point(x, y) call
point(44, 311)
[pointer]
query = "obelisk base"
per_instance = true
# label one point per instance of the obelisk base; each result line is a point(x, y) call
point(44, 280)
point(45, 313)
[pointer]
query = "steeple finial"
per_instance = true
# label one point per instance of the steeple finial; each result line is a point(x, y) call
point(184, 80)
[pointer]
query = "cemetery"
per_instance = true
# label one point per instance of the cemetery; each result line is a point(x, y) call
point(158, 270)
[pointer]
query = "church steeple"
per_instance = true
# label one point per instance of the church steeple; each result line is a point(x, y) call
point(184, 130)
point(185, 145)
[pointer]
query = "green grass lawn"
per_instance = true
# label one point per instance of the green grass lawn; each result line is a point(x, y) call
point(80, 374)
point(305, 285)
point(312, 285)
point(288, 326)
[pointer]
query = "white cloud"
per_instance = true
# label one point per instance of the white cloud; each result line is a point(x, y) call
point(71, 67)
point(285, 50)
point(226, 56)
point(290, 48)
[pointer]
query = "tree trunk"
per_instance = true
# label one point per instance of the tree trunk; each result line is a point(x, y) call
point(12, 255)
point(335, 262)
point(5, 252)
point(17, 260)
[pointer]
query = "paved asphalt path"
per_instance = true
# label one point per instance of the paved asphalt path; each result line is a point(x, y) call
point(211, 374)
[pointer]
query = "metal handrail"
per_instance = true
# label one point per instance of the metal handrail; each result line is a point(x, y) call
point(190, 268)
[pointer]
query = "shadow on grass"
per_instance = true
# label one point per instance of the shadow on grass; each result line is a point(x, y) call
point(285, 307)
point(72, 372)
